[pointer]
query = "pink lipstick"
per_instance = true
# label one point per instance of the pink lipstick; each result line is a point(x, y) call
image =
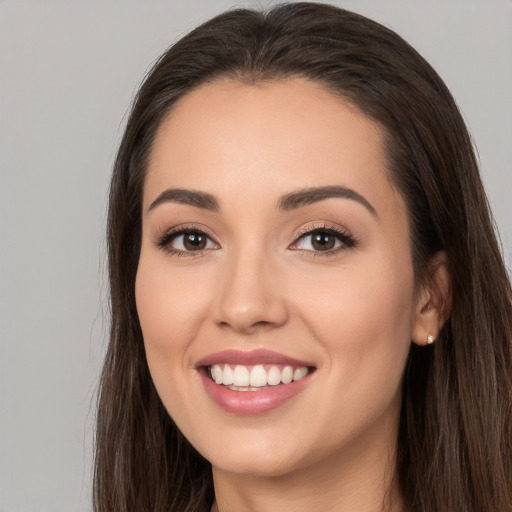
point(252, 382)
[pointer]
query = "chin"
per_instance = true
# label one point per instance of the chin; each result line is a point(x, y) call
point(276, 454)
point(260, 465)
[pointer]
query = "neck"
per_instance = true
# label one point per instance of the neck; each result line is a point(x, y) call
point(358, 478)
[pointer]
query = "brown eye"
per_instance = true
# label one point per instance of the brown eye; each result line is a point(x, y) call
point(194, 241)
point(187, 241)
point(323, 241)
point(328, 240)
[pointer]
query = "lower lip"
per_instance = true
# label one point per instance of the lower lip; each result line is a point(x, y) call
point(252, 402)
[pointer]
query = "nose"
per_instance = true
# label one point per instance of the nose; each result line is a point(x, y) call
point(250, 298)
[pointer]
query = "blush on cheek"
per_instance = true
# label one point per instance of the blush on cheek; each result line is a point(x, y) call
point(368, 324)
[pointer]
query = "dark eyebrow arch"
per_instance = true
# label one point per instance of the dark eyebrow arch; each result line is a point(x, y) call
point(314, 195)
point(190, 197)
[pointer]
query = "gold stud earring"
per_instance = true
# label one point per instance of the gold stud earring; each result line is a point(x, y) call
point(430, 339)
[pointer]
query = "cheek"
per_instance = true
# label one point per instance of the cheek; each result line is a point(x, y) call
point(155, 305)
point(168, 306)
point(363, 318)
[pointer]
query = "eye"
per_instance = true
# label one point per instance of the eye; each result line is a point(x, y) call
point(326, 240)
point(186, 240)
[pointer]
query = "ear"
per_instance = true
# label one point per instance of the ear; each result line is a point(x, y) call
point(433, 304)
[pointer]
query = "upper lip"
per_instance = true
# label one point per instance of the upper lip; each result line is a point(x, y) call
point(250, 358)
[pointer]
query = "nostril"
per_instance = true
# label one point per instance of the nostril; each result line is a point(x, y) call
point(246, 327)
point(262, 323)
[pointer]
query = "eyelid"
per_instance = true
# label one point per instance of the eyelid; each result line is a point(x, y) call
point(346, 239)
point(321, 226)
point(342, 234)
point(163, 240)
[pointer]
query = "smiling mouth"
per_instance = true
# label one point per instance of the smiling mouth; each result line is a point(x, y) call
point(256, 377)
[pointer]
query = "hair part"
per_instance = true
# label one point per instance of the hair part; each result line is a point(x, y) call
point(455, 439)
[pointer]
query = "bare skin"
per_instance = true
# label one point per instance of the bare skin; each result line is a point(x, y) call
point(258, 279)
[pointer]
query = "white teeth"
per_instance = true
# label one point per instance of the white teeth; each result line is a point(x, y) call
point(256, 376)
point(300, 373)
point(287, 375)
point(240, 376)
point(274, 376)
point(217, 374)
point(227, 378)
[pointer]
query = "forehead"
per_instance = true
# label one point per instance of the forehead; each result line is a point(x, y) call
point(267, 138)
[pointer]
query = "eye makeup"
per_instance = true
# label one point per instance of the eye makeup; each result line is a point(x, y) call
point(194, 241)
point(325, 240)
point(319, 240)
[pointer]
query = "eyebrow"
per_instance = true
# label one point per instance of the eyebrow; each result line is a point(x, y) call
point(288, 202)
point(314, 195)
point(190, 197)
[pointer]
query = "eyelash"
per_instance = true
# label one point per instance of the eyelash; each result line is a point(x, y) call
point(164, 241)
point(347, 241)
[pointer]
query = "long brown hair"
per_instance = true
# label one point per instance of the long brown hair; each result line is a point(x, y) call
point(455, 438)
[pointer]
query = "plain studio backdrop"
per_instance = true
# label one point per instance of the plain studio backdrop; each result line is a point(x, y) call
point(68, 72)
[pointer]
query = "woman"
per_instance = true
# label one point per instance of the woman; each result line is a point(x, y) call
point(309, 305)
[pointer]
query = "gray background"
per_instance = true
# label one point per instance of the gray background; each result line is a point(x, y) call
point(68, 71)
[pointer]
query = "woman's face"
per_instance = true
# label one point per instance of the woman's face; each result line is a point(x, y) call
point(275, 248)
